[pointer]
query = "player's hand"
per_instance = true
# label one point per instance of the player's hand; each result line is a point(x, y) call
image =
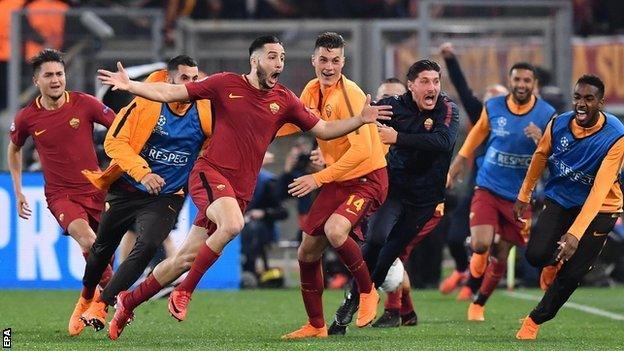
point(387, 134)
point(567, 247)
point(23, 209)
point(302, 186)
point(457, 171)
point(370, 114)
point(519, 208)
point(316, 156)
point(153, 183)
point(446, 50)
point(118, 80)
point(534, 132)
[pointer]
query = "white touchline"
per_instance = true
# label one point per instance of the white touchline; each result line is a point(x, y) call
point(576, 306)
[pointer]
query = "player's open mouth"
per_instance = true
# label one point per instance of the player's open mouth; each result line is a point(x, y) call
point(430, 99)
point(581, 114)
point(327, 75)
point(273, 77)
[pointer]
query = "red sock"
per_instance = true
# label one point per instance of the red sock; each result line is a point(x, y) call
point(406, 301)
point(205, 258)
point(148, 288)
point(493, 274)
point(312, 291)
point(351, 256)
point(393, 302)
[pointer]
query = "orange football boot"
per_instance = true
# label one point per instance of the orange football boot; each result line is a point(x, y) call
point(368, 308)
point(476, 312)
point(528, 330)
point(307, 331)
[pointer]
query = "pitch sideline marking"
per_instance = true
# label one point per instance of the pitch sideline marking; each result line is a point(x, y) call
point(572, 305)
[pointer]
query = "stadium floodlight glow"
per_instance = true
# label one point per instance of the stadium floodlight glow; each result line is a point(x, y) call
point(96, 25)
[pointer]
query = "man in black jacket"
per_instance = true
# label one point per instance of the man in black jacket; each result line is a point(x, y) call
point(421, 136)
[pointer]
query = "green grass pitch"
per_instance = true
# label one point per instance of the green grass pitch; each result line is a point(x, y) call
point(254, 320)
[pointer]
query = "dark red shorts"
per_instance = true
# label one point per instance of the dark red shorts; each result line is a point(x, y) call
point(354, 199)
point(206, 185)
point(424, 232)
point(69, 207)
point(490, 209)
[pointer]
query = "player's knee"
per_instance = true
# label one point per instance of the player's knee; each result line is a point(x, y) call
point(479, 247)
point(335, 232)
point(306, 255)
point(232, 226)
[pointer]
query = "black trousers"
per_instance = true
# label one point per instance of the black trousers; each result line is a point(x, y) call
point(153, 216)
point(389, 231)
point(552, 223)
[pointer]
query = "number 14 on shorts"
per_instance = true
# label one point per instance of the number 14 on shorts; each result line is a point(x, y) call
point(356, 203)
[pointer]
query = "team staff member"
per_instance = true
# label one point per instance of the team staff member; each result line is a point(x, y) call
point(421, 136)
point(153, 147)
point(61, 125)
point(584, 149)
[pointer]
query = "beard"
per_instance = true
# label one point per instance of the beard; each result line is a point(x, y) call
point(262, 78)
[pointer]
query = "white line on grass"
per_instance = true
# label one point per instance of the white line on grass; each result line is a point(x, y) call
point(576, 306)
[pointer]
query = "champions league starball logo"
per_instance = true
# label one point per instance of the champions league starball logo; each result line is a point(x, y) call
point(564, 142)
point(502, 121)
point(162, 120)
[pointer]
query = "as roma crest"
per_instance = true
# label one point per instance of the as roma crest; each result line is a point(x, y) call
point(274, 107)
point(74, 123)
point(328, 110)
point(428, 124)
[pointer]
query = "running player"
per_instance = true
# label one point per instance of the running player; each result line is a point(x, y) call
point(249, 109)
point(583, 149)
point(512, 125)
point(153, 147)
point(353, 185)
point(61, 125)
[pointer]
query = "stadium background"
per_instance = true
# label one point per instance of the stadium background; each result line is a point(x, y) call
point(567, 38)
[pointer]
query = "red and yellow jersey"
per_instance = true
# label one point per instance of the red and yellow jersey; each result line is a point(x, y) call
point(353, 155)
point(64, 140)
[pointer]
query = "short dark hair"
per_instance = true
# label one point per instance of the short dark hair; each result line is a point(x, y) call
point(523, 65)
point(392, 80)
point(184, 60)
point(259, 42)
point(330, 40)
point(594, 81)
point(47, 55)
point(422, 65)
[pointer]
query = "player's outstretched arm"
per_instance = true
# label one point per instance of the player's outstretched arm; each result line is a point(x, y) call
point(14, 157)
point(162, 92)
point(334, 129)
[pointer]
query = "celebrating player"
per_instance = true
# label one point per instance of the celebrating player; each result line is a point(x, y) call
point(61, 125)
point(248, 109)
